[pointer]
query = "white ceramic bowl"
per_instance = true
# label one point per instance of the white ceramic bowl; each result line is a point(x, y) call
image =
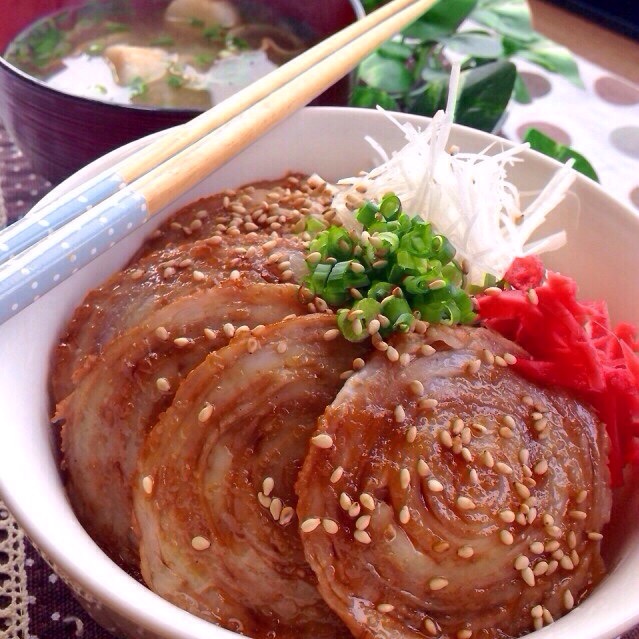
point(601, 255)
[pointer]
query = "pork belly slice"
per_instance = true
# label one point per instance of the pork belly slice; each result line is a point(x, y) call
point(469, 500)
point(214, 492)
point(119, 399)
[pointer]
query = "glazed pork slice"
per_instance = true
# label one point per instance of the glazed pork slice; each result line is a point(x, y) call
point(121, 396)
point(466, 501)
point(279, 206)
point(214, 498)
point(128, 297)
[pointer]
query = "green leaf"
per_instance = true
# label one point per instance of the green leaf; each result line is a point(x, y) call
point(441, 20)
point(369, 98)
point(481, 45)
point(484, 95)
point(430, 99)
point(544, 144)
point(395, 50)
point(385, 74)
point(553, 57)
point(507, 17)
point(521, 93)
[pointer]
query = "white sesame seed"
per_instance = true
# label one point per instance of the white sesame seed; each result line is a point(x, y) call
point(210, 334)
point(492, 290)
point(310, 524)
point(581, 496)
point(551, 546)
point(510, 359)
point(286, 515)
point(473, 476)
point(464, 503)
point(265, 501)
point(322, 440)
point(385, 607)
point(522, 490)
point(392, 354)
point(503, 469)
point(472, 366)
point(162, 333)
point(362, 536)
point(533, 298)
point(358, 363)
point(595, 536)
point(566, 563)
point(528, 576)
point(267, 485)
point(506, 537)
point(571, 540)
point(465, 633)
point(404, 478)
point(435, 486)
point(276, 508)
point(578, 514)
point(354, 510)
point(367, 501)
point(524, 456)
point(427, 403)
point(467, 455)
point(234, 275)
point(548, 618)
point(457, 426)
point(399, 413)
point(537, 612)
point(441, 546)
point(331, 334)
point(404, 359)
point(500, 361)
point(336, 475)
point(200, 543)
point(541, 467)
point(553, 531)
point(445, 438)
point(437, 583)
point(552, 567)
point(487, 459)
point(538, 624)
point(147, 484)
point(521, 562)
point(345, 501)
point(411, 434)
point(431, 627)
point(506, 432)
point(540, 568)
point(363, 522)
point(427, 350)
point(536, 547)
point(416, 388)
point(568, 600)
point(404, 515)
point(330, 526)
point(465, 552)
point(423, 469)
point(162, 384)
point(548, 520)
point(205, 414)
point(488, 356)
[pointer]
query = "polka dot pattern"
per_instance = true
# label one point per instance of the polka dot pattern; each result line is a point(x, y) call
point(552, 130)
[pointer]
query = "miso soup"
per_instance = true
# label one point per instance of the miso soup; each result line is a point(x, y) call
point(188, 54)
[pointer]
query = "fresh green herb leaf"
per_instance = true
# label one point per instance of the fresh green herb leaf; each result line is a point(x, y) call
point(485, 93)
point(553, 57)
point(235, 42)
point(175, 81)
point(441, 20)
point(116, 27)
point(369, 97)
point(477, 44)
point(95, 48)
point(386, 74)
point(215, 33)
point(521, 93)
point(510, 18)
point(204, 59)
point(544, 144)
point(196, 22)
point(395, 50)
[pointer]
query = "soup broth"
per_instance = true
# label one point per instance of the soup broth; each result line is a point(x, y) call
point(188, 54)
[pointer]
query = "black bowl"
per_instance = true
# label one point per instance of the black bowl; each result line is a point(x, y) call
point(59, 133)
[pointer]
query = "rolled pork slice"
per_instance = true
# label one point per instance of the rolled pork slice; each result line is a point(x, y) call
point(213, 496)
point(469, 502)
point(121, 396)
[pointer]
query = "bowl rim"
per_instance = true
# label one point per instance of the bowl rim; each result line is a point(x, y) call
point(356, 6)
point(146, 617)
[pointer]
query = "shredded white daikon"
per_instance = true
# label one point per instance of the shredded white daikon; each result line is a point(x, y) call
point(465, 196)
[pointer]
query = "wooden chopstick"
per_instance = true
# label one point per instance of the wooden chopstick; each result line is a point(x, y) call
point(39, 269)
point(38, 224)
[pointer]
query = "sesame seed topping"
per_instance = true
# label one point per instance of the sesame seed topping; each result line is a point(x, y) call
point(367, 501)
point(488, 356)
point(322, 440)
point(267, 485)
point(465, 552)
point(392, 354)
point(595, 536)
point(506, 537)
point(536, 547)
point(200, 543)
point(385, 607)
point(437, 583)
point(276, 508)
point(358, 363)
point(330, 526)
point(552, 567)
point(310, 524)
point(210, 334)
point(404, 359)
point(162, 333)
point(566, 563)
point(416, 388)
point(363, 522)
point(251, 345)
point(286, 515)
point(548, 618)
point(487, 459)
point(464, 503)
point(510, 359)
point(331, 334)
point(503, 469)
point(540, 467)
point(465, 633)
point(162, 384)
point(538, 624)
point(492, 290)
point(441, 546)
point(427, 350)
point(548, 520)
point(336, 475)
point(354, 510)
point(445, 438)
point(180, 342)
point(522, 490)
point(404, 478)
point(521, 562)
point(553, 531)
point(431, 627)
point(205, 414)
point(264, 500)
point(581, 496)
point(427, 403)
point(571, 539)
point(524, 456)
point(400, 414)
point(345, 501)
point(404, 515)
point(423, 469)
point(411, 434)
point(540, 568)
point(472, 367)
point(568, 600)
point(362, 536)
point(473, 476)
point(506, 432)
point(528, 576)
point(508, 420)
point(578, 514)
point(435, 486)
point(533, 298)
point(537, 612)
point(235, 275)
point(147, 484)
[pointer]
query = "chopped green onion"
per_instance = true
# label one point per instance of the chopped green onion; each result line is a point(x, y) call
point(162, 40)
point(395, 272)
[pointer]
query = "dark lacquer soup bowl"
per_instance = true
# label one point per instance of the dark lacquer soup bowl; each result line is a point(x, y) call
point(60, 132)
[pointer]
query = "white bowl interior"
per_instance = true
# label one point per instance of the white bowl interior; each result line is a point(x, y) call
point(601, 251)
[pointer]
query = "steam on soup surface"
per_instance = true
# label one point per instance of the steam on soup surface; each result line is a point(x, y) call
point(187, 54)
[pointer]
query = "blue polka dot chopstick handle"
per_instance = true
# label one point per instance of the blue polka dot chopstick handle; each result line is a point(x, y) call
point(26, 277)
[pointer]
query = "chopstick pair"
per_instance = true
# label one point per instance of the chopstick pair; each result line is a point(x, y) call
point(92, 218)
